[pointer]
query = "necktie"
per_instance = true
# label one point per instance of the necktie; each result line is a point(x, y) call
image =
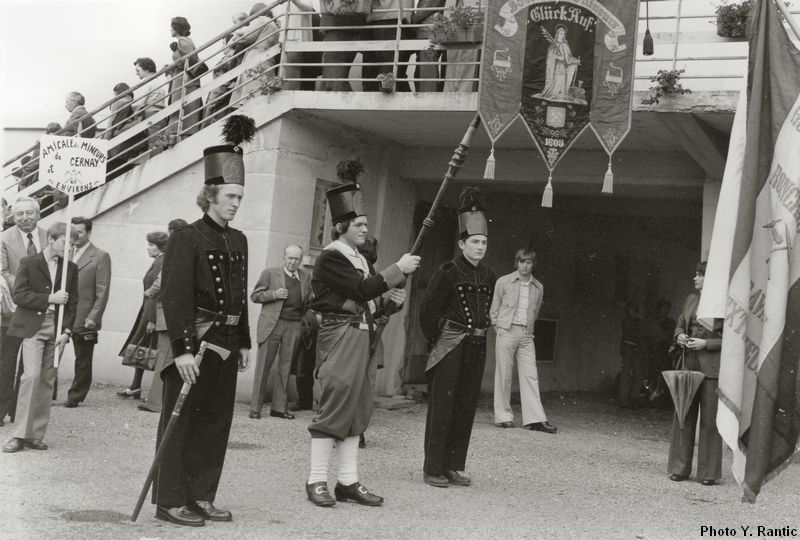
point(31, 247)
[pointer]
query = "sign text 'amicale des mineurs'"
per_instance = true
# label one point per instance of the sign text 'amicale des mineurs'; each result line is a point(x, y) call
point(71, 164)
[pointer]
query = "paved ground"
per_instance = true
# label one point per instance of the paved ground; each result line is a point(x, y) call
point(602, 476)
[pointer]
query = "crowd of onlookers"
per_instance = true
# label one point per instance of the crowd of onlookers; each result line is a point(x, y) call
point(294, 21)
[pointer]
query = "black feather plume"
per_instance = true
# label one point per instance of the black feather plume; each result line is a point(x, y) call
point(238, 129)
point(470, 197)
point(348, 170)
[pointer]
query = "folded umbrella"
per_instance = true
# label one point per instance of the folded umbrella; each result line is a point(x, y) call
point(683, 385)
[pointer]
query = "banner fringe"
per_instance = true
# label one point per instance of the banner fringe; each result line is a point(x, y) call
point(608, 179)
point(488, 172)
point(547, 196)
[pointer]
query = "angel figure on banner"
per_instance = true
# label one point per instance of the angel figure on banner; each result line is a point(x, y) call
point(561, 70)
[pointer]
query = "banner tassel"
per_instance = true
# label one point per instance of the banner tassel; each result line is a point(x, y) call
point(647, 44)
point(488, 172)
point(547, 196)
point(608, 179)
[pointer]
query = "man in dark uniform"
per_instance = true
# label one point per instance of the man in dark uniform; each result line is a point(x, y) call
point(455, 317)
point(345, 286)
point(204, 295)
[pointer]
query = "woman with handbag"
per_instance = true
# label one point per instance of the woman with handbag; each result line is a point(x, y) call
point(193, 110)
point(139, 350)
point(701, 349)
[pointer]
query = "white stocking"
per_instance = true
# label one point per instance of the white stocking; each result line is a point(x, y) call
point(347, 451)
point(321, 450)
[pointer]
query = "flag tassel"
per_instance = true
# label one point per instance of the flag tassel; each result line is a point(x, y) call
point(488, 172)
point(547, 196)
point(647, 43)
point(608, 179)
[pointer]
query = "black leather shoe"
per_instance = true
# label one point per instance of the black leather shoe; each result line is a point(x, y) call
point(208, 511)
point(255, 415)
point(34, 444)
point(505, 424)
point(708, 482)
point(675, 477)
point(179, 515)
point(456, 478)
point(284, 415)
point(436, 480)
point(545, 427)
point(70, 404)
point(13, 445)
point(294, 407)
point(318, 494)
point(356, 493)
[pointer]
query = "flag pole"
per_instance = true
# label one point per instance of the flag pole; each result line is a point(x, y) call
point(64, 271)
point(456, 162)
point(788, 16)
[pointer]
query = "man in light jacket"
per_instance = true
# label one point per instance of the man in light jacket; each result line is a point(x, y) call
point(515, 305)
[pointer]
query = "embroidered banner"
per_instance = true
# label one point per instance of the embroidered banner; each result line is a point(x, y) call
point(610, 116)
point(576, 67)
point(501, 72)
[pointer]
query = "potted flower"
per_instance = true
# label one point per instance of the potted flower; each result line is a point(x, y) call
point(464, 24)
point(732, 19)
point(667, 84)
point(387, 81)
point(268, 82)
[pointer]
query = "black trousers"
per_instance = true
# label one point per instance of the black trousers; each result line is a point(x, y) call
point(83, 370)
point(371, 72)
point(192, 462)
point(305, 360)
point(454, 386)
point(8, 369)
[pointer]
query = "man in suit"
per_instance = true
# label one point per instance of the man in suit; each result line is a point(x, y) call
point(80, 123)
point(94, 278)
point(39, 298)
point(515, 305)
point(283, 293)
point(23, 239)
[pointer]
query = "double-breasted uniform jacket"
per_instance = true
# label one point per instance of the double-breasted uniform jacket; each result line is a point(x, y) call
point(268, 282)
point(204, 287)
point(705, 360)
point(459, 293)
point(32, 289)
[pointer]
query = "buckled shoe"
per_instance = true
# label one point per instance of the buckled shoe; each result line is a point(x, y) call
point(318, 494)
point(356, 493)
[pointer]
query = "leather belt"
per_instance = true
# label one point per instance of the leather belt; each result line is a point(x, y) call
point(355, 321)
point(458, 327)
point(214, 317)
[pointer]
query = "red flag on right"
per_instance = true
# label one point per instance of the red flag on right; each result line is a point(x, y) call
point(754, 263)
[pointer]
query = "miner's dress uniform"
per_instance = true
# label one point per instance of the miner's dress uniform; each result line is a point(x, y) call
point(454, 316)
point(204, 296)
point(344, 285)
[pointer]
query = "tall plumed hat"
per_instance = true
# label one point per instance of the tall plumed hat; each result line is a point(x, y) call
point(225, 164)
point(345, 201)
point(470, 214)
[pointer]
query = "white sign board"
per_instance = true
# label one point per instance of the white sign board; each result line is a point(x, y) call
point(71, 164)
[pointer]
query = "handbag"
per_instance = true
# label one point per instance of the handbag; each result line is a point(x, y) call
point(142, 355)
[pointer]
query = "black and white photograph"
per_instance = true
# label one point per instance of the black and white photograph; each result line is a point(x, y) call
point(392, 269)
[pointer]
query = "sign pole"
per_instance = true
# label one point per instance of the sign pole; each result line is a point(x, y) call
point(64, 268)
